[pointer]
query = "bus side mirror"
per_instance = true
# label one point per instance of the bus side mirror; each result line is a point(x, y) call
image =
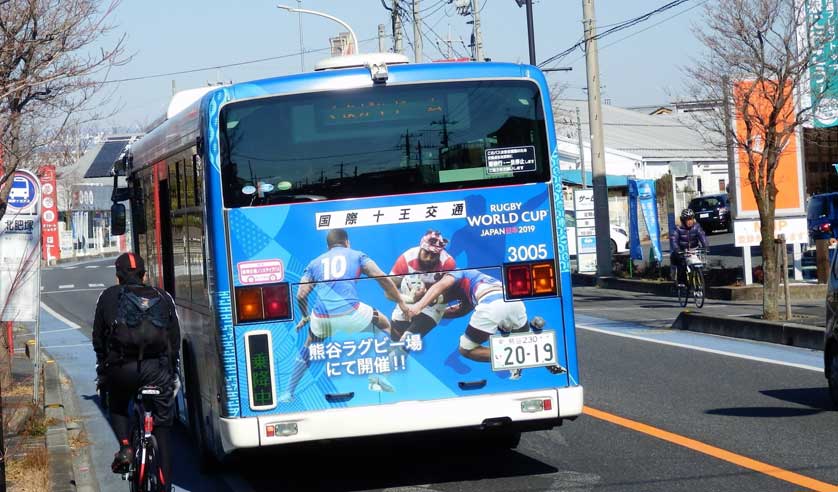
point(118, 217)
point(121, 194)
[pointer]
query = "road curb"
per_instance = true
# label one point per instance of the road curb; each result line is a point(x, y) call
point(793, 334)
point(58, 439)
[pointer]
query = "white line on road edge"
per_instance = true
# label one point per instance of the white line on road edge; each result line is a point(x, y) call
point(95, 285)
point(66, 286)
point(66, 346)
point(92, 266)
point(65, 291)
point(59, 317)
point(701, 349)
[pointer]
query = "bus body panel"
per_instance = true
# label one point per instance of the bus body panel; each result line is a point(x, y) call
point(225, 391)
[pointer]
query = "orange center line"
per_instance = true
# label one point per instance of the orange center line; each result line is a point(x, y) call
point(736, 459)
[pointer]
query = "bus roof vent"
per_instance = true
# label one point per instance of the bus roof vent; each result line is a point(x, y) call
point(363, 60)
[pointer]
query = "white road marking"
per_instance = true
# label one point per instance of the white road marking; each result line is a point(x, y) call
point(92, 266)
point(69, 268)
point(95, 285)
point(66, 286)
point(701, 349)
point(59, 317)
point(65, 291)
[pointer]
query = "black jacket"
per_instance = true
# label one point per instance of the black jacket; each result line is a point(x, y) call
point(106, 315)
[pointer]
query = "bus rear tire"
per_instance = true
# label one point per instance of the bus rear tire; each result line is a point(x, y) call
point(207, 461)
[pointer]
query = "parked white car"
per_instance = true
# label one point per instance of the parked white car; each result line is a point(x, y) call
point(619, 236)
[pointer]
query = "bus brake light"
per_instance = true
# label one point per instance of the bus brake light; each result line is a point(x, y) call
point(276, 301)
point(518, 282)
point(530, 279)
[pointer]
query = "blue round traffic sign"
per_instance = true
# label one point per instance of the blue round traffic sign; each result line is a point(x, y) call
point(23, 191)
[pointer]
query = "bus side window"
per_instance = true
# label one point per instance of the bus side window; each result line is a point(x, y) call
point(196, 258)
point(198, 178)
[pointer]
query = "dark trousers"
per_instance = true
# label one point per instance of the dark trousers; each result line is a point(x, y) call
point(124, 380)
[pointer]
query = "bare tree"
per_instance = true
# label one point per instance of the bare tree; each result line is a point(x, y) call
point(51, 66)
point(757, 44)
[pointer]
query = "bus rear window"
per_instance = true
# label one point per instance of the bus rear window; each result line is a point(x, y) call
point(382, 141)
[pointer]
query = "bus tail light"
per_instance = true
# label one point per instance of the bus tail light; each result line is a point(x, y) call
point(263, 303)
point(530, 280)
point(543, 279)
point(249, 303)
point(518, 283)
point(276, 301)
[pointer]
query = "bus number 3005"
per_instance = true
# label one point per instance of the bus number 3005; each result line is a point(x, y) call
point(526, 253)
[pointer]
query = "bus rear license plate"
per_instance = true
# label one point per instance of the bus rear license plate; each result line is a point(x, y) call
point(704, 215)
point(520, 350)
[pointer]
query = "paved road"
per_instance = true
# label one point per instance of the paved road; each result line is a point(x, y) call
point(759, 401)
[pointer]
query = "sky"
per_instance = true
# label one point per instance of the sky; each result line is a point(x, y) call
point(642, 65)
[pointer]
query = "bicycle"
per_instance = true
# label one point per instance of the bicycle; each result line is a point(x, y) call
point(694, 261)
point(145, 473)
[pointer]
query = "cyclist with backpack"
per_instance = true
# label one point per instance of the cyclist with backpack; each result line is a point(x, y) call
point(136, 337)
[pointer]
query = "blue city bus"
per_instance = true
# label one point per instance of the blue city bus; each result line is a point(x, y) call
point(372, 248)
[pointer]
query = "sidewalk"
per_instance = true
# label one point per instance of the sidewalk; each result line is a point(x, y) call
point(737, 319)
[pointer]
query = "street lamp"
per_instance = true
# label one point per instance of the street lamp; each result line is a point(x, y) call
point(321, 14)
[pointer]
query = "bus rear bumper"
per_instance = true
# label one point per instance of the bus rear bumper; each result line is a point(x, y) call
point(410, 416)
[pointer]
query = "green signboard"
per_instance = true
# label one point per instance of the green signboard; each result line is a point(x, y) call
point(822, 23)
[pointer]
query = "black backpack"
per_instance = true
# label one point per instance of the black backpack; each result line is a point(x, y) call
point(141, 325)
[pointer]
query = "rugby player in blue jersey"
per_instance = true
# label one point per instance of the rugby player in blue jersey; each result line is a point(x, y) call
point(332, 277)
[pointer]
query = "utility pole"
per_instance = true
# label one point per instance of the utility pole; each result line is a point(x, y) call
point(381, 36)
point(581, 150)
point(397, 28)
point(530, 34)
point(300, 28)
point(601, 217)
point(417, 33)
point(476, 33)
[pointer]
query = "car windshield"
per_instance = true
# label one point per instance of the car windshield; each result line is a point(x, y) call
point(382, 140)
point(818, 208)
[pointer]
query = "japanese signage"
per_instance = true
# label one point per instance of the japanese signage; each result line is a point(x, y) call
point(788, 175)
point(49, 214)
point(510, 160)
point(391, 215)
point(261, 376)
point(583, 200)
point(822, 23)
point(20, 252)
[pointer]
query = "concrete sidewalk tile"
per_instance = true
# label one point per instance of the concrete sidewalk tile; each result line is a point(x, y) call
point(57, 438)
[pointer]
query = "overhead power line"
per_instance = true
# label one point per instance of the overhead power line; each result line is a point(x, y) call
point(619, 27)
point(216, 67)
point(666, 19)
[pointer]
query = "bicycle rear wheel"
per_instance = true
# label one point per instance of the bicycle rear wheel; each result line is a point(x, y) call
point(147, 474)
point(698, 288)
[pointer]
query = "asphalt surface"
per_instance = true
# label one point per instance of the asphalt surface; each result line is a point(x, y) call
point(763, 402)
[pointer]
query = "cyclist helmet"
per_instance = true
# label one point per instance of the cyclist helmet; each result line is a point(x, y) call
point(687, 214)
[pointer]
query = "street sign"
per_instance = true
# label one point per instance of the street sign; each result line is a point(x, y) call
point(583, 201)
point(20, 252)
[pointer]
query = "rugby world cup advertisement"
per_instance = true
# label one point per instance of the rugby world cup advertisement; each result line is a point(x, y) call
point(395, 298)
